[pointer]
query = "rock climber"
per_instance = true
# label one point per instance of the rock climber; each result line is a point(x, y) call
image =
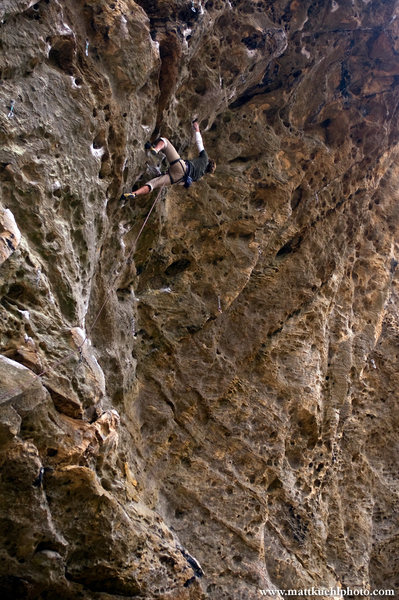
point(181, 172)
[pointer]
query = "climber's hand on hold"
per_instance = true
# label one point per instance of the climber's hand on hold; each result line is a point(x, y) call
point(196, 125)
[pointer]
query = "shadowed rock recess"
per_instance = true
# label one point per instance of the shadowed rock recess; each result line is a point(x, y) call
point(210, 410)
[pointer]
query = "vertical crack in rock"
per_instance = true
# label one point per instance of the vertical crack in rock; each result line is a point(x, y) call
point(170, 54)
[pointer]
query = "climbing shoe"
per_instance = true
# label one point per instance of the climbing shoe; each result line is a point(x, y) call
point(128, 196)
point(151, 148)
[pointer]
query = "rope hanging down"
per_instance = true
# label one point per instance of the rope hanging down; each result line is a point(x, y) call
point(127, 260)
point(20, 390)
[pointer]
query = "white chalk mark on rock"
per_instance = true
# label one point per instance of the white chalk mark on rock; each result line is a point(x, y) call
point(97, 152)
point(84, 345)
point(10, 236)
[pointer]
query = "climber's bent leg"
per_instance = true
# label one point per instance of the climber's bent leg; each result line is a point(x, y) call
point(164, 145)
point(170, 151)
point(145, 189)
point(177, 165)
point(155, 183)
point(159, 145)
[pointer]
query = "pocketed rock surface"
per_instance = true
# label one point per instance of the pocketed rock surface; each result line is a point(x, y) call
point(207, 407)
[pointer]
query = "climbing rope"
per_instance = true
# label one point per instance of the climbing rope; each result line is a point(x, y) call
point(127, 260)
point(11, 394)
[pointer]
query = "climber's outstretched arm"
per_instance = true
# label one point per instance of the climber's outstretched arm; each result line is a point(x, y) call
point(198, 137)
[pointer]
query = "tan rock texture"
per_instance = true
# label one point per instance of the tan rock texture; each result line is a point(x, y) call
point(211, 409)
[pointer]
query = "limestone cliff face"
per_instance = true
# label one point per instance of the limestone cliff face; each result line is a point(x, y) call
point(211, 409)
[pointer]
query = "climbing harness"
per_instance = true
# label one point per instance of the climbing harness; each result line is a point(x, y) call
point(187, 179)
point(186, 172)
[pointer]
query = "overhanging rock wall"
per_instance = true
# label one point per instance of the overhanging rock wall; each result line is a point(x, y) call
point(211, 410)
